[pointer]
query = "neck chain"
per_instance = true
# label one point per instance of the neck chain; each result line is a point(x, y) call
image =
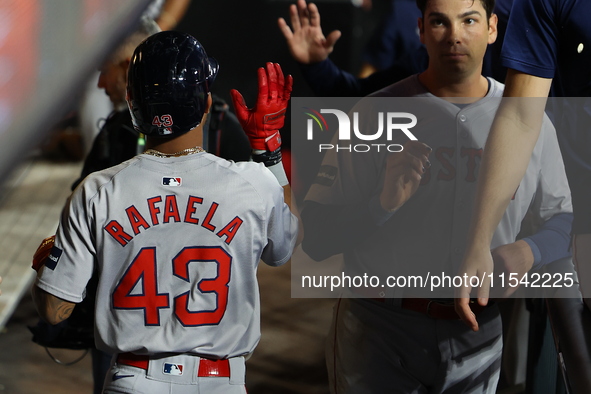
point(184, 152)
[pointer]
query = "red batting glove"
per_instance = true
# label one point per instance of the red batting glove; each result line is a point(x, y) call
point(262, 122)
point(43, 252)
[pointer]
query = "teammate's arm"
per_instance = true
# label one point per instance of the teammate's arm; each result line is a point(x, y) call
point(311, 49)
point(551, 206)
point(510, 143)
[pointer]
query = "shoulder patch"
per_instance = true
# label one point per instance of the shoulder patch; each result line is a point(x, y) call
point(53, 258)
point(327, 175)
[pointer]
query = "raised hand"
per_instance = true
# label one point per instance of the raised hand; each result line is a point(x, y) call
point(262, 122)
point(306, 42)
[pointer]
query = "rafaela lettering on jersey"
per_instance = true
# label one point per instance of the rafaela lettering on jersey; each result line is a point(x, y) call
point(167, 212)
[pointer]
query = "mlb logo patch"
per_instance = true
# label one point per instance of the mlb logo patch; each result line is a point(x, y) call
point(173, 369)
point(170, 181)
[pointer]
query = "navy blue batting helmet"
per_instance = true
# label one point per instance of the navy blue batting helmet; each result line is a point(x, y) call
point(168, 81)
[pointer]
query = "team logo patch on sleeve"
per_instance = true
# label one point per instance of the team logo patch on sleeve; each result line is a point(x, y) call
point(326, 175)
point(53, 258)
point(173, 369)
point(170, 181)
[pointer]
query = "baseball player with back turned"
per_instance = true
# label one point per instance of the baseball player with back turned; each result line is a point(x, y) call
point(411, 209)
point(176, 233)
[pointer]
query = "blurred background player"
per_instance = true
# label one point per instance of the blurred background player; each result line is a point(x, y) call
point(117, 140)
point(141, 327)
point(394, 37)
point(95, 106)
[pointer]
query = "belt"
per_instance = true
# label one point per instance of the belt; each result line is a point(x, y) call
point(207, 368)
point(436, 309)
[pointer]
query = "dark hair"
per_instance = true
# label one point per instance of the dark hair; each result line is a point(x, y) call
point(489, 6)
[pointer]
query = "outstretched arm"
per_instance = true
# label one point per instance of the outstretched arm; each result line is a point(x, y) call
point(309, 47)
point(262, 123)
point(510, 143)
point(307, 44)
point(551, 207)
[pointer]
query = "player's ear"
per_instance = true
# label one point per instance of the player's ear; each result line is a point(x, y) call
point(125, 65)
point(492, 28)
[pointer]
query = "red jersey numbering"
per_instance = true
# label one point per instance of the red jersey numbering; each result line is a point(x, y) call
point(141, 275)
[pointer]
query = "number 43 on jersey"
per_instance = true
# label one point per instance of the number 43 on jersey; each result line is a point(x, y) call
point(143, 273)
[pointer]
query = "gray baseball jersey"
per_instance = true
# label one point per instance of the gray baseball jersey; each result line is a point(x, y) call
point(176, 243)
point(428, 233)
point(379, 347)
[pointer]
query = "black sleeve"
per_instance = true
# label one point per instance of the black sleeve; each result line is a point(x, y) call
point(225, 137)
point(96, 158)
point(234, 142)
point(327, 80)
